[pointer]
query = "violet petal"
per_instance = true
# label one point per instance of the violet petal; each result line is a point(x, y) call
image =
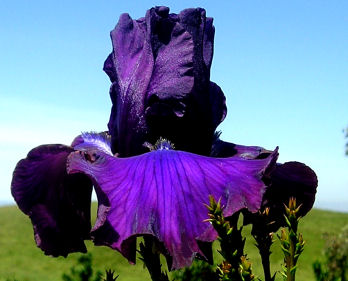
point(133, 61)
point(57, 203)
point(109, 68)
point(160, 68)
point(218, 104)
point(162, 193)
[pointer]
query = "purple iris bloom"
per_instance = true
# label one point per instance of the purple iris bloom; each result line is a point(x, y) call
point(161, 90)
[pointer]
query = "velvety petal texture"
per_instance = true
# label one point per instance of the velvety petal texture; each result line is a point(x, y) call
point(58, 204)
point(163, 192)
point(291, 179)
point(160, 74)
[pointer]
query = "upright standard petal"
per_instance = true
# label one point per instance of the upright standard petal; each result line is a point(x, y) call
point(130, 65)
point(160, 73)
point(58, 204)
point(163, 192)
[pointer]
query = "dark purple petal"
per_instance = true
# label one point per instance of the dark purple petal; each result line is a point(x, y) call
point(218, 104)
point(160, 68)
point(109, 68)
point(57, 203)
point(227, 149)
point(172, 78)
point(133, 62)
point(208, 42)
point(291, 179)
point(162, 193)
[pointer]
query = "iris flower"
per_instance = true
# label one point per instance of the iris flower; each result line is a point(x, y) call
point(160, 160)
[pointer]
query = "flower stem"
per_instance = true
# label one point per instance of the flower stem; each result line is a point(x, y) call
point(265, 254)
point(151, 258)
point(263, 236)
point(264, 241)
point(236, 266)
point(292, 243)
point(291, 262)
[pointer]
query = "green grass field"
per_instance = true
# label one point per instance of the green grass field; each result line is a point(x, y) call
point(20, 258)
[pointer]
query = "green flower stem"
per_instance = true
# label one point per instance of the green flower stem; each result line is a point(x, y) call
point(292, 243)
point(151, 258)
point(264, 245)
point(264, 240)
point(290, 262)
point(235, 266)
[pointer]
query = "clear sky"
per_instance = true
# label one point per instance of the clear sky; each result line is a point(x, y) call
point(283, 66)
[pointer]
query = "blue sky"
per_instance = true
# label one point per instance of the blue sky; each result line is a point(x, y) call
point(283, 66)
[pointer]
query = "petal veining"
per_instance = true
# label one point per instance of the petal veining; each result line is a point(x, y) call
point(163, 192)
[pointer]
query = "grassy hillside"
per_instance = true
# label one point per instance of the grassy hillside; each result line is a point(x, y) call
point(312, 227)
point(21, 259)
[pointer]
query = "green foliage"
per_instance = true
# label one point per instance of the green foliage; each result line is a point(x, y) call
point(235, 266)
point(83, 271)
point(320, 273)
point(292, 243)
point(198, 271)
point(335, 267)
